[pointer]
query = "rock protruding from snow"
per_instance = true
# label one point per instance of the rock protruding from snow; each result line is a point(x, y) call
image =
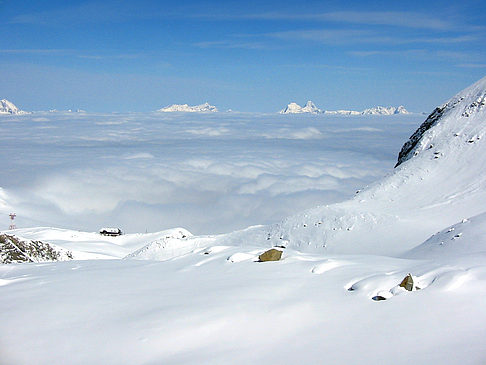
point(469, 102)
point(7, 107)
point(14, 250)
point(203, 108)
point(294, 108)
point(270, 255)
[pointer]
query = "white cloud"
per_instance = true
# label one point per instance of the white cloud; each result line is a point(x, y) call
point(154, 173)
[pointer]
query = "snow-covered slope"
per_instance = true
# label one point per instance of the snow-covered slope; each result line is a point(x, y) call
point(443, 183)
point(294, 108)
point(203, 108)
point(92, 245)
point(467, 237)
point(7, 107)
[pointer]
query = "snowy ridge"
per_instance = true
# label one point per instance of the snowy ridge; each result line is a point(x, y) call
point(468, 103)
point(7, 107)
point(381, 110)
point(202, 108)
point(311, 108)
point(294, 108)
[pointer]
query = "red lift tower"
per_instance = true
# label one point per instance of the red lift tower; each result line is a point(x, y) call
point(12, 223)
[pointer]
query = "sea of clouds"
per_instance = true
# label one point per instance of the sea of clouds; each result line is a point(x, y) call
point(209, 173)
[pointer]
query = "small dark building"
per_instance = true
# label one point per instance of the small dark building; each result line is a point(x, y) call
point(110, 231)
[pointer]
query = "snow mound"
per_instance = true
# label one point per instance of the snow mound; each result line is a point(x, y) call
point(174, 243)
point(294, 108)
point(202, 108)
point(463, 238)
point(7, 107)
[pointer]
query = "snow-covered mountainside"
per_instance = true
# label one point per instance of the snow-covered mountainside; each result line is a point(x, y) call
point(294, 108)
point(203, 108)
point(442, 184)
point(342, 112)
point(377, 110)
point(7, 107)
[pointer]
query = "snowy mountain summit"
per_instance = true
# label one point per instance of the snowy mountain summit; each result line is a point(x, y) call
point(7, 107)
point(381, 110)
point(311, 108)
point(294, 108)
point(202, 108)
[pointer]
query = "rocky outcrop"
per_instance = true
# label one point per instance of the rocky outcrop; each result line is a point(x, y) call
point(14, 250)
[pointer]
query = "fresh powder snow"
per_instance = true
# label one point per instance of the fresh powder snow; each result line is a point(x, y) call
point(395, 274)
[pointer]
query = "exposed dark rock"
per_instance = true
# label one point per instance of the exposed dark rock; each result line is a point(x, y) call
point(378, 298)
point(409, 146)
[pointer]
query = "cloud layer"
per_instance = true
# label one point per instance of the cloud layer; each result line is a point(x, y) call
point(207, 173)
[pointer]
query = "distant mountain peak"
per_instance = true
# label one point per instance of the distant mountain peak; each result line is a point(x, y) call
point(7, 107)
point(310, 107)
point(202, 108)
point(294, 108)
point(381, 110)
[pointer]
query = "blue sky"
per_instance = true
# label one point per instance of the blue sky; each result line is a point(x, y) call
point(248, 56)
